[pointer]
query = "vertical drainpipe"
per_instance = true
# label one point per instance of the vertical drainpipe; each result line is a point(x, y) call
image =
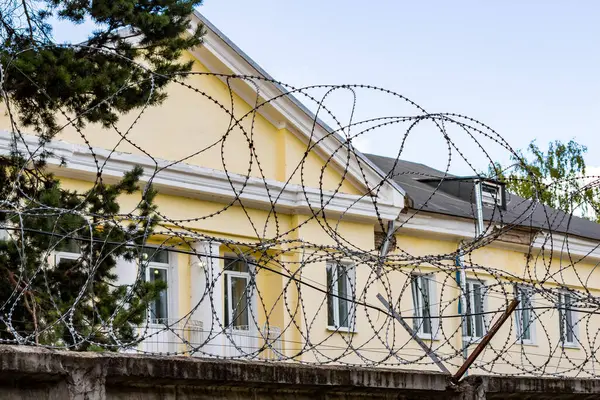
point(461, 275)
point(479, 206)
point(388, 236)
point(461, 278)
point(385, 245)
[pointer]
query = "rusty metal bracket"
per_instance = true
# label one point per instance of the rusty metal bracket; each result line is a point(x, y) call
point(484, 342)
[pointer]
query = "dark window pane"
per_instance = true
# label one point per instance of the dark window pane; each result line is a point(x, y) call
point(427, 321)
point(226, 300)
point(330, 298)
point(469, 309)
point(416, 293)
point(236, 264)
point(159, 307)
point(239, 305)
point(156, 255)
point(420, 288)
point(426, 305)
point(569, 323)
point(69, 246)
point(567, 318)
point(343, 292)
point(525, 314)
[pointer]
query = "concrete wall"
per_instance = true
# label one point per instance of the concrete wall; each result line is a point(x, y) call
point(31, 373)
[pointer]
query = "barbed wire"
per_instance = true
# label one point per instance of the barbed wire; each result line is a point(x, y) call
point(295, 278)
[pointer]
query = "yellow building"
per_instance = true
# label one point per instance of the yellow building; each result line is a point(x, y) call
point(273, 228)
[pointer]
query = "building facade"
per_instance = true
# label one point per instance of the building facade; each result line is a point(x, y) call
point(276, 239)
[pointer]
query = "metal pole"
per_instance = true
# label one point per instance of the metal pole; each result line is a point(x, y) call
point(385, 245)
point(486, 339)
point(462, 276)
point(479, 229)
point(479, 207)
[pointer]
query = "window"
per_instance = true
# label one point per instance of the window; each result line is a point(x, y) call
point(341, 279)
point(491, 193)
point(4, 232)
point(66, 257)
point(237, 298)
point(69, 245)
point(423, 291)
point(524, 314)
point(475, 317)
point(67, 250)
point(567, 319)
point(157, 269)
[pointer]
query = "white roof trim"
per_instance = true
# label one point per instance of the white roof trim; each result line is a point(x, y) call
point(436, 226)
point(203, 183)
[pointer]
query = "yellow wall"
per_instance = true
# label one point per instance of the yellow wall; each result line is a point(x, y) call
point(498, 268)
point(190, 126)
point(194, 125)
point(301, 311)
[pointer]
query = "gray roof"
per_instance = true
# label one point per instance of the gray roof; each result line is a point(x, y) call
point(519, 211)
point(408, 176)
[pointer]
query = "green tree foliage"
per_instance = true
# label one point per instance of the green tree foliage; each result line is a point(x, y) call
point(74, 303)
point(78, 303)
point(556, 177)
point(94, 82)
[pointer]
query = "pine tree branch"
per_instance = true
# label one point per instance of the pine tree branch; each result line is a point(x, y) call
point(6, 25)
point(24, 2)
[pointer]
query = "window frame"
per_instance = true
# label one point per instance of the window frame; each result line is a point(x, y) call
point(470, 296)
point(4, 235)
point(417, 308)
point(250, 291)
point(489, 199)
point(520, 289)
point(333, 293)
point(563, 320)
point(169, 267)
point(65, 254)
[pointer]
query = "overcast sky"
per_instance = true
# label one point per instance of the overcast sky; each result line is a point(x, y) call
point(528, 69)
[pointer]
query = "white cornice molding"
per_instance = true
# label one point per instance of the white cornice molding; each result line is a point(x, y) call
point(567, 246)
point(437, 226)
point(203, 183)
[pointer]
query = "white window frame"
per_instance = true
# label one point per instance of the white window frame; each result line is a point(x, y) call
point(487, 198)
point(4, 235)
point(65, 255)
point(472, 315)
point(563, 320)
point(520, 289)
point(418, 305)
point(351, 285)
point(172, 283)
point(250, 292)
